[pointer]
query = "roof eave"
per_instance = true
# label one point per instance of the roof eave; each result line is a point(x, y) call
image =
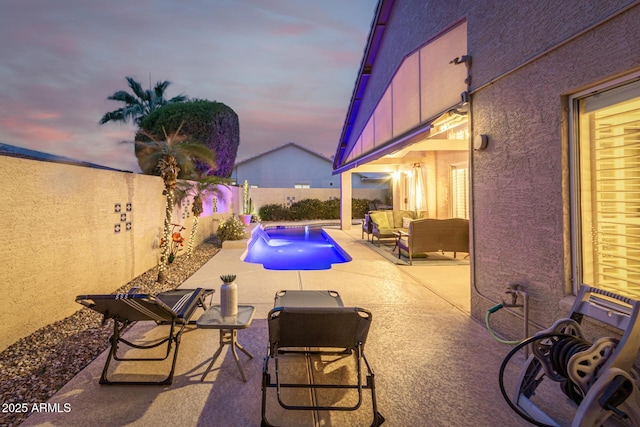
point(378, 26)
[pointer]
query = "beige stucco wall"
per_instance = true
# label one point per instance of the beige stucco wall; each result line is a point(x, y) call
point(285, 196)
point(443, 162)
point(527, 60)
point(59, 239)
point(521, 191)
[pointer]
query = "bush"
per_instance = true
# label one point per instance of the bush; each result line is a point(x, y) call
point(312, 209)
point(273, 212)
point(359, 207)
point(307, 209)
point(231, 229)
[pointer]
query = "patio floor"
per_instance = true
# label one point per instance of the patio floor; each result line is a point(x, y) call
point(434, 364)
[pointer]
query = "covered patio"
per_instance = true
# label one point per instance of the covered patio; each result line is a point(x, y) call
point(434, 364)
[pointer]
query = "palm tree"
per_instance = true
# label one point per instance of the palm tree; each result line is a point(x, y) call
point(139, 104)
point(203, 184)
point(169, 156)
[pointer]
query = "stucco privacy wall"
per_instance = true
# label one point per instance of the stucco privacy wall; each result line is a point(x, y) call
point(521, 190)
point(59, 225)
point(286, 196)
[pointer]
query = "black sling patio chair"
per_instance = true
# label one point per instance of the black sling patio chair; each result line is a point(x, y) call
point(317, 331)
point(174, 308)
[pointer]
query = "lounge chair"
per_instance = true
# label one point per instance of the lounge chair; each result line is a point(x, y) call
point(173, 308)
point(338, 331)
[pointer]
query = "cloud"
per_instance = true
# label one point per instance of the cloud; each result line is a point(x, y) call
point(287, 67)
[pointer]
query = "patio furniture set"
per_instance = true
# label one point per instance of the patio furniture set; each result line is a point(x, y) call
point(413, 235)
point(308, 324)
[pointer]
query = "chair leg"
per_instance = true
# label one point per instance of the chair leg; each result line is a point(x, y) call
point(113, 355)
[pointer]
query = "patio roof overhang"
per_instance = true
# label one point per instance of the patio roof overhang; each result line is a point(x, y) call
point(378, 27)
point(411, 147)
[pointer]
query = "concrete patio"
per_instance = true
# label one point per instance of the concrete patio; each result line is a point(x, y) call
point(434, 364)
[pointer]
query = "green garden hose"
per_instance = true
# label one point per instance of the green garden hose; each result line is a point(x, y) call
point(500, 340)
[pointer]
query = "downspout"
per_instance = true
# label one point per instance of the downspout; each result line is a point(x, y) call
point(468, 96)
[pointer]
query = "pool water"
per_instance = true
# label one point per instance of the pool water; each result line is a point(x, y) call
point(298, 248)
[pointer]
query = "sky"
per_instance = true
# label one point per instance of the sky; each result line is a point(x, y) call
point(286, 67)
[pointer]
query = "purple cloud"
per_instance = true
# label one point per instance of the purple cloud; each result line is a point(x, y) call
point(287, 67)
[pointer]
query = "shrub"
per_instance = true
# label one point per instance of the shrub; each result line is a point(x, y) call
point(231, 229)
point(312, 209)
point(273, 212)
point(307, 209)
point(359, 207)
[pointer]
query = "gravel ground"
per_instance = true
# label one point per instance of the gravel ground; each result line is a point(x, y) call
point(36, 367)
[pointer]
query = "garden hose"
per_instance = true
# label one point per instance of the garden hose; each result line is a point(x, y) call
point(497, 338)
point(503, 366)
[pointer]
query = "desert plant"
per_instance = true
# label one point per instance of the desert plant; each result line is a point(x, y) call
point(203, 184)
point(231, 229)
point(228, 278)
point(169, 155)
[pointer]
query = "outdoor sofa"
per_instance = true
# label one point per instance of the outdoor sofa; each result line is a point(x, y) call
point(382, 224)
point(432, 235)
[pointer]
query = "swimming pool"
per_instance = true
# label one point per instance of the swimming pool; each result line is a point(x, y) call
point(294, 248)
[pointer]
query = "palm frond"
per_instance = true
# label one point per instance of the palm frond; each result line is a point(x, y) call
point(136, 87)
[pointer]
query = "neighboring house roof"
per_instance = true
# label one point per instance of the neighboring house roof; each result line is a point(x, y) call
point(378, 26)
point(367, 177)
point(290, 144)
point(25, 153)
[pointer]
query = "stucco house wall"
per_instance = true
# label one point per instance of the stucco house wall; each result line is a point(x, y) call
point(443, 180)
point(71, 230)
point(527, 59)
point(291, 164)
point(521, 192)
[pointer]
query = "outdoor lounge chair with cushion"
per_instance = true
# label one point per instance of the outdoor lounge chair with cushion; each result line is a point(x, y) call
point(432, 235)
point(313, 332)
point(174, 308)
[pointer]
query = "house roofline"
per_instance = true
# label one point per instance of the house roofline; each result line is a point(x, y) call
point(378, 27)
point(292, 144)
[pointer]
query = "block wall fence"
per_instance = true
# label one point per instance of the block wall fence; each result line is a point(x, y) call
point(72, 230)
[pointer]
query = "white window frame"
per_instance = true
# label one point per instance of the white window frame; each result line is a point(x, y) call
point(453, 191)
point(574, 174)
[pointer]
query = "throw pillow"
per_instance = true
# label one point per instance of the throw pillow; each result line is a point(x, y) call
point(399, 215)
point(406, 221)
point(380, 218)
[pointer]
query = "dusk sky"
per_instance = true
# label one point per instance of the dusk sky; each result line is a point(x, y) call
point(286, 67)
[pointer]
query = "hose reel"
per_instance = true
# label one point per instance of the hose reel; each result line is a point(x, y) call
point(599, 377)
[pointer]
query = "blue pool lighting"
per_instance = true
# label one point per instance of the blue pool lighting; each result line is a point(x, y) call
point(294, 248)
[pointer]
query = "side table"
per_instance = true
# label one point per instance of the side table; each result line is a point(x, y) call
point(228, 326)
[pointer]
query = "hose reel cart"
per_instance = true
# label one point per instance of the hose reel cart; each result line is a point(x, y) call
point(600, 377)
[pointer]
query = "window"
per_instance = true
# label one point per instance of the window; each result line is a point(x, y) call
point(460, 191)
point(606, 160)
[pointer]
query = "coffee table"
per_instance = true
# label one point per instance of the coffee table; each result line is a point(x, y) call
point(228, 326)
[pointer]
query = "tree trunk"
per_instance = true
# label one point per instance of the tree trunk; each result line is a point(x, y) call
point(166, 237)
point(192, 236)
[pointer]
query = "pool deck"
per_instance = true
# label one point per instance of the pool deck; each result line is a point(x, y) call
point(434, 364)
